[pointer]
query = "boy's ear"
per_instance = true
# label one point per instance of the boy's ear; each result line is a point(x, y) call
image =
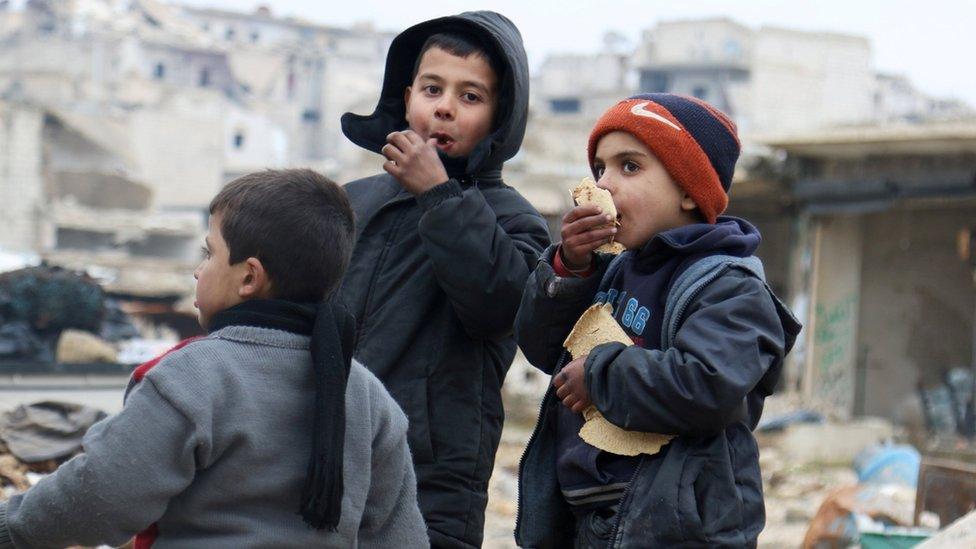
point(406, 102)
point(687, 204)
point(256, 283)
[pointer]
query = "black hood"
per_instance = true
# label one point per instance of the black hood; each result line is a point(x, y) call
point(369, 132)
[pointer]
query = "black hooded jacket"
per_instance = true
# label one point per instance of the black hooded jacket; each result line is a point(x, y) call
point(435, 281)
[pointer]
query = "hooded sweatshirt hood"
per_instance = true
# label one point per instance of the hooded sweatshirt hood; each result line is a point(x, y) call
point(729, 235)
point(369, 132)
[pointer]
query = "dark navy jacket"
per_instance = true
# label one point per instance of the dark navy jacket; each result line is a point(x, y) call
point(435, 281)
point(707, 387)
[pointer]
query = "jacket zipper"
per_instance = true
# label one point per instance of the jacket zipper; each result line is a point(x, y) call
point(361, 321)
point(535, 432)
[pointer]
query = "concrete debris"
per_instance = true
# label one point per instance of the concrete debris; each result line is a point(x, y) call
point(961, 533)
point(45, 432)
point(13, 475)
point(829, 443)
point(76, 346)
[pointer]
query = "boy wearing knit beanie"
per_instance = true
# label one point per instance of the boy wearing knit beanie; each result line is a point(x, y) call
point(265, 432)
point(708, 343)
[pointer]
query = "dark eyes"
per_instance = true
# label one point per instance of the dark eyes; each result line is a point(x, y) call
point(628, 167)
point(468, 97)
point(205, 253)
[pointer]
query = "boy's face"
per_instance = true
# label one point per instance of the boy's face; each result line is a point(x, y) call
point(218, 282)
point(648, 200)
point(452, 99)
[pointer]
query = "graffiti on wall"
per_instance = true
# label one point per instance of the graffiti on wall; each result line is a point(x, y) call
point(834, 343)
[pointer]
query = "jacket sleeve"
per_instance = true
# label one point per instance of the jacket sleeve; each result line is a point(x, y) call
point(730, 336)
point(481, 264)
point(550, 307)
point(391, 517)
point(133, 463)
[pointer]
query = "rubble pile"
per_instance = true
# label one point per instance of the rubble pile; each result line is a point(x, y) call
point(35, 439)
point(51, 315)
point(827, 482)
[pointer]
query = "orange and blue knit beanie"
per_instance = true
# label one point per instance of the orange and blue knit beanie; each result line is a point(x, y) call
point(696, 143)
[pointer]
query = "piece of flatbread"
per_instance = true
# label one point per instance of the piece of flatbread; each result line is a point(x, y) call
point(612, 248)
point(588, 193)
point(600, 433)
point(596, 326)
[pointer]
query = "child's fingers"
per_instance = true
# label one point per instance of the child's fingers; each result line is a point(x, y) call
point(562, 391)
point(413, 137)
point(590, 234)
point(559, 379)
point(585, 224)
point(584, 250)
point(399, 140)
point(579, 406)
point(580, 212)
point(392, 152)
point(594, 238)
point(392, 168)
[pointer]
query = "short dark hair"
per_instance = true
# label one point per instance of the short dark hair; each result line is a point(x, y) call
point(462, 45)
point(297, 222)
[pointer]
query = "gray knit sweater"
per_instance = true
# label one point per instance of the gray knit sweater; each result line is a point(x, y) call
point(213, 446)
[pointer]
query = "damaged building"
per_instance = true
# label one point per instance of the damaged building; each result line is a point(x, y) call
point(861, 203)
point(880, 263)
point(73, 197)
point(120, 120)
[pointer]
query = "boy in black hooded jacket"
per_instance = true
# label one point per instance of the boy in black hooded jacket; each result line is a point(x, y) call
point(443, 251)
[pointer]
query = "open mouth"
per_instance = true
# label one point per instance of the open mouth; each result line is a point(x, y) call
point(444, 141)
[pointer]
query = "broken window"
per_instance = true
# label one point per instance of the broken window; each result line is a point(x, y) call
point(654, 81)
point(565, 105)
point(83, 239)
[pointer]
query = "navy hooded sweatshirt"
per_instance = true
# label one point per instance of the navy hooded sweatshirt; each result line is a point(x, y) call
point(704, 488)
point(591, 478)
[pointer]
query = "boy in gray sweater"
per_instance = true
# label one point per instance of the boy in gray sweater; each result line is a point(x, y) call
point(262, 433)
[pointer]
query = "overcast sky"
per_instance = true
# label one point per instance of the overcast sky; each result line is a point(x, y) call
point(931, 41)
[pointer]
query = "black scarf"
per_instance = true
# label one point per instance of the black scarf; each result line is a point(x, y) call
point(333, 339)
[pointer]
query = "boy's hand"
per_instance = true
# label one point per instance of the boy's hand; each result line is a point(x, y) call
point(585, 228)
point(413, 161)
point(570, 387)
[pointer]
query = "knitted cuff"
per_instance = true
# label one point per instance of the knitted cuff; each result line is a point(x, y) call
point(439, 193)
point(5, 539)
